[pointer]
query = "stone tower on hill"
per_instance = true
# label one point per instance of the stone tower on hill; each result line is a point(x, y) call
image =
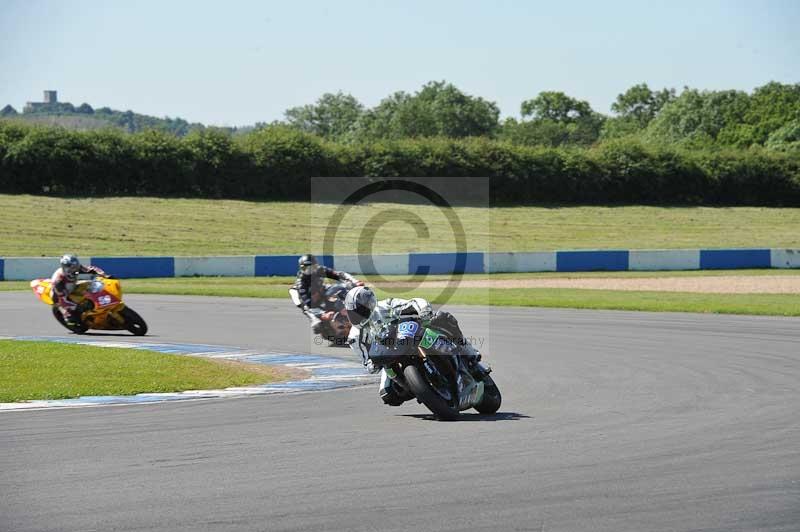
point(50, 97)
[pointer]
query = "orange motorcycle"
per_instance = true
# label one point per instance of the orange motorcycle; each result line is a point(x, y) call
point(99, 303)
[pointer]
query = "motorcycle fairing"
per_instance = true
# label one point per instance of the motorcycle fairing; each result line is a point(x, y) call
point(104, 294)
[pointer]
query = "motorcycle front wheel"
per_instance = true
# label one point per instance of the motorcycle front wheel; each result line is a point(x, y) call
point(423, 390)
point(490, 402)
point(133, 322)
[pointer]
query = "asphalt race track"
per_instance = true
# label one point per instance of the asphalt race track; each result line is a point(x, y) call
point(611, 421)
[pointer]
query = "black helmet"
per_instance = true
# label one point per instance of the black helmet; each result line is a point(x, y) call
point(307, 263)
point(70, 265)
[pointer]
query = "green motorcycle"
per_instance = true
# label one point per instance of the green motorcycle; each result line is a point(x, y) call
point(424, 361)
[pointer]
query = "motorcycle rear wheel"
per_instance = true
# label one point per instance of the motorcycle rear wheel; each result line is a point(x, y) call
point(133, 322)
point(424, 392)
point(77, 329)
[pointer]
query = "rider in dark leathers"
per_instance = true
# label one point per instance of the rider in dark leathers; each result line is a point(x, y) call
point(310, 287)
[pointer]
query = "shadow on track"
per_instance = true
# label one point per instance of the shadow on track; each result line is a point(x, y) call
point(124, 334)
point(499, 416)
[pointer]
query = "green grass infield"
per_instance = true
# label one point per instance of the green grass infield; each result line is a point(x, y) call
point(47, 370)
point(35, 226)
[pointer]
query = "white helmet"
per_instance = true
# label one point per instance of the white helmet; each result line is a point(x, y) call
point(70, 265)
point(359, 304)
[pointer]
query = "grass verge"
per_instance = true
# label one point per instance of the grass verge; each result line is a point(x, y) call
point(276, 287)
point(753, 304)
point(46, 370)
point(159, 226)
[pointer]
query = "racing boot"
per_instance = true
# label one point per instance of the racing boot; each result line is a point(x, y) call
point(390, 393)
point(73, 318)
point(71, 313)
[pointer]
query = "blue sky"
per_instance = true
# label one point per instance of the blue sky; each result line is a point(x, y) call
point(238, 62)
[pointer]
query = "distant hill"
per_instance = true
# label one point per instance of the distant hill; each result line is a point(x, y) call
point(74, 121)
point(84, 117)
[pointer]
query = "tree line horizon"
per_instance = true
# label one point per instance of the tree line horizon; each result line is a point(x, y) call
point(767, 117)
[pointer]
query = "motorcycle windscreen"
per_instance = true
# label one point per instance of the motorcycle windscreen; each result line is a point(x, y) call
point(113, 287)
point(397, 341)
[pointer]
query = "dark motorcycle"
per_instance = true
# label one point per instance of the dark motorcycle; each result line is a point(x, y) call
point(335, 325)
point(420, 361)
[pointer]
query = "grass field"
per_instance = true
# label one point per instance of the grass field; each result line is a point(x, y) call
point(45, 370)
point(43, 226)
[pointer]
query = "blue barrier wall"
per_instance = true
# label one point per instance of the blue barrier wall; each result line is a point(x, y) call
point(729, 259)
point(587, 261)
point(127, 267)
point(27, 268)
point(283, 264)
point(444, 263)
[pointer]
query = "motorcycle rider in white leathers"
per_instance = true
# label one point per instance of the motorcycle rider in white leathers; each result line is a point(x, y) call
point(64, 281)
point(362, 306)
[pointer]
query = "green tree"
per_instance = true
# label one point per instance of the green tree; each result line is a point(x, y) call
point(544, 132)
point(383, 121)
point(8, 111)
point(699, 118)
point(555, 120)
point(64, 107)
point(556, 106)
point(331, 117)
point(635, 109)
point(772, 107)
point(438, 109)
point(640, 105)
point(786, 138)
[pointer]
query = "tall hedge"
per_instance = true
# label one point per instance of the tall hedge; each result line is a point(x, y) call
point(276, 163)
